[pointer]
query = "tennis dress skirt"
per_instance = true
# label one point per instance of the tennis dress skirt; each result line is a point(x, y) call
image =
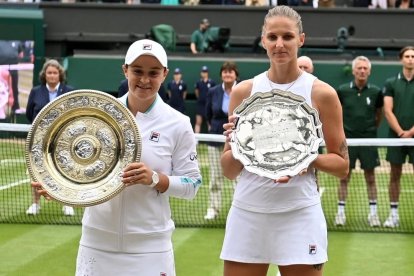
point(295, 237)
point(101, 263)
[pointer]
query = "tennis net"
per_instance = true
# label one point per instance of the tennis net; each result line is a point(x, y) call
point(15, 191)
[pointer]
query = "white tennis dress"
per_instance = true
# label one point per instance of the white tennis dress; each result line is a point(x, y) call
point(279, 223)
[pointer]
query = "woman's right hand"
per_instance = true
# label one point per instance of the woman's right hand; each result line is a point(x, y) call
point(39, 189)
point(228, 127)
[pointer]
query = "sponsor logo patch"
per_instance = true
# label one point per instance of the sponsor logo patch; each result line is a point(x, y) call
point(312, 249)
point(147, 47)
point(155, 136)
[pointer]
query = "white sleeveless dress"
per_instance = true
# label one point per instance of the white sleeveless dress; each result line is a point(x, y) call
point(279, 223)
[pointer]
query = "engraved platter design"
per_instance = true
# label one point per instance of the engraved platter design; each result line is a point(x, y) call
point(276, 134)
point(78, 145)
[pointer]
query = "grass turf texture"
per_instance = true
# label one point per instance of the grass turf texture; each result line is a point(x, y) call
point(27, 249)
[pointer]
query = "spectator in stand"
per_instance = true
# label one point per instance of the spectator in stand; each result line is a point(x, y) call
point(326, 3)
point(190, 2)
point(398, 110)
point(404, 4)
point(309, 3)
point(52, 85)
point(378, 4)
point(361, 107)
point(201, 88)
point(210, 2)
point(177, 91)
point(217, 114)
point(257, 3)
point(361, 3)
point(198, 37)
point(170, 2)
point(137, 2)
point(233, 2)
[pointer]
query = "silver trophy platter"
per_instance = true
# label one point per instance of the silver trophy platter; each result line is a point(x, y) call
point(276, 134)
point(78, 145)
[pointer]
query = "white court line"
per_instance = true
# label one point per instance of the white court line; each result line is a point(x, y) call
point(321, 190)
point(22, 66)
point(7, 161)
point(11, 185)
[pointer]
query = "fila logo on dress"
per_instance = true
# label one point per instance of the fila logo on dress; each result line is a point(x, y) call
point(155, 136)
point(312, 249)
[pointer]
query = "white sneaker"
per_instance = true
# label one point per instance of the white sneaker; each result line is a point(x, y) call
point(68, 211)
point(374, 220)
point(211, 214)
point(392, 221)
point(20, 111)
point(34, 209)
point(340, 219)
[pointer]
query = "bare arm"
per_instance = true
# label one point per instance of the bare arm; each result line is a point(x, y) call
point(193, 48)
point(336, 160)
point(378, 117)
point(390, 116)
point(232, 167)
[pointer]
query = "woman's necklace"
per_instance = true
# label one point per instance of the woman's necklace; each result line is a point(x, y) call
point(289, 84)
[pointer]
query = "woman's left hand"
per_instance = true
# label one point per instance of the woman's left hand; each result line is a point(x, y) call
point(285, 179)
point(137, 173)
